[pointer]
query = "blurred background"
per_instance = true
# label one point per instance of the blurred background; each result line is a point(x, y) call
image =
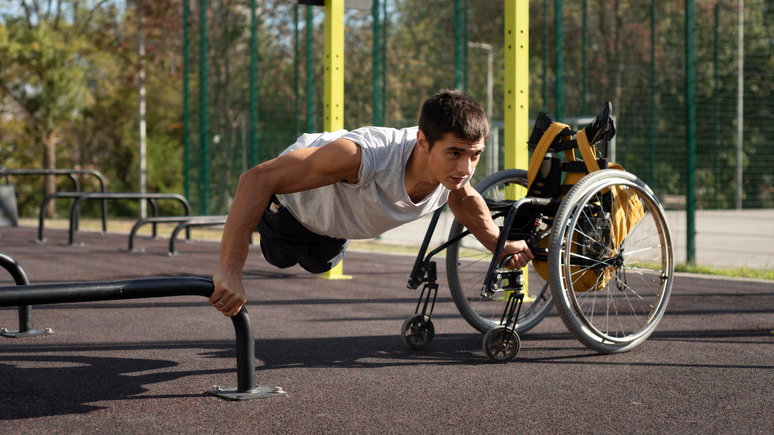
point(72, 74)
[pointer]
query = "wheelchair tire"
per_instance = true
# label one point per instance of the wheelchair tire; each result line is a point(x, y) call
point(467, 262)
point(417, 331)
point(610, 294)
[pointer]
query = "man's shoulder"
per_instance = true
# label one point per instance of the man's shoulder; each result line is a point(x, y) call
point(376, 137)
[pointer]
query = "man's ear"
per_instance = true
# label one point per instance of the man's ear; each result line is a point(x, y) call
point(422, 142)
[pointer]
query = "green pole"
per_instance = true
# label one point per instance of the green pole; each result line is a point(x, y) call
point(458, 80)
point(204, 176)
point(465, 48)
point(384, 64)
point(585, 85)
point(253, 86)
point(559, 44)
point(186, 113)
point(690, 137)
point(377, 64)
point(653, 126)
point(309, 69)
point(716, 99)
point(296, 59)
point(544, 91)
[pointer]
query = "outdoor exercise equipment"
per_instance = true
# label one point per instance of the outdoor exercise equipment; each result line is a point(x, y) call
point(25, 311)
point(81, 197)
point(153, 288)
point(168, 219)
point(72, 174)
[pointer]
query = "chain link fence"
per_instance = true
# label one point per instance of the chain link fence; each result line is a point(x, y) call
point(581, 55)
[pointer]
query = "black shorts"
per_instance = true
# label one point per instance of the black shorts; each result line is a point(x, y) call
point(285, 242)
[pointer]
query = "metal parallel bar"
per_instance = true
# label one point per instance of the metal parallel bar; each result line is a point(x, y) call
point(124, 195)
point(71, 173)
point(25, 311)
point(148, 288)
point(164, 219)
point(191, 223)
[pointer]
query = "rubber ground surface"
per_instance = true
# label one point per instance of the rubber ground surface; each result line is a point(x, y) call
point(142, 366)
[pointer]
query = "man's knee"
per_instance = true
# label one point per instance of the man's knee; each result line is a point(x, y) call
point(275, 257)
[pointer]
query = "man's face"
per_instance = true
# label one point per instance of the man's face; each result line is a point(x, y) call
point(451, 160)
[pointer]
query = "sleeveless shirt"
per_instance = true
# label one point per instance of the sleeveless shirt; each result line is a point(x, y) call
point(378, 202)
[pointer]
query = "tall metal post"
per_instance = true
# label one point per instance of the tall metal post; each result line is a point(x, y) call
point(458, 50)
point(653, 125)
point(186, 102)
point(716, 97)
point(559, 44)
point(377, 64)
point(204, 161)
point(253, 85)
point(740, 111)
point(334, 85)
point(516, 91)
point(141, 125)
point(585, 60)
point(544, 45)
point(465, 51)
point(690, 137)
point(309, 69)
point(384, 63)
point(296, 60)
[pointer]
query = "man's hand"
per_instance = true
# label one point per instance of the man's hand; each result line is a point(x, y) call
point(521, 254)
point(229, 294)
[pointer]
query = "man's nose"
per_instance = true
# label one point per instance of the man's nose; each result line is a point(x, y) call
point(465, 166)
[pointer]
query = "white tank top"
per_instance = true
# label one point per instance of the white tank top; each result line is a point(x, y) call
point(378, 202)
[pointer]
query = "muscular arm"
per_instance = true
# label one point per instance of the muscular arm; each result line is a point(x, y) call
point(297, 171)
point(471, 211)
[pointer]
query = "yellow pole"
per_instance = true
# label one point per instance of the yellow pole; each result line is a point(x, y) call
point(334, 85)
point(517, 95)
point(516, 87)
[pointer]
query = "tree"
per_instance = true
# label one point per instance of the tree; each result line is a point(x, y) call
point(45, 59)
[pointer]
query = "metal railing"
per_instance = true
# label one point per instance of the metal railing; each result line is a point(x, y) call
point(81, 197)
point(198, 222)
point(152, 288)
point(167, 219)
point(25, 311)
point(69, 172)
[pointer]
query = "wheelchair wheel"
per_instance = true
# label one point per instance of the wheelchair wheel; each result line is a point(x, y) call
point(610, 261)
point(417, 331)
point(467, 263)
point(501, 345)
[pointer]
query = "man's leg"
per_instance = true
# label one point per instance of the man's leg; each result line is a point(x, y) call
point(323, 255)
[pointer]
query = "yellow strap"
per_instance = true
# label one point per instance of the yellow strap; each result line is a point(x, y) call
point(587, 151)
point(542, 148)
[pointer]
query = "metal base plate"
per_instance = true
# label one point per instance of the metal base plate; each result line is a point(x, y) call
point(259, 392)
point(27, 333)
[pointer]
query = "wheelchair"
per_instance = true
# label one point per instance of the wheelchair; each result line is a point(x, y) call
point(601, 242)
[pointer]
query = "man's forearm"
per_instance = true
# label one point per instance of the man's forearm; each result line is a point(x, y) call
point(249, 204)
point(472, 212)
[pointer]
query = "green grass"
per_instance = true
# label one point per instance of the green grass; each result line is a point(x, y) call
point(739, 272)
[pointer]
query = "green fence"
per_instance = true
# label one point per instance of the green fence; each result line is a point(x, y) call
point(244, 108)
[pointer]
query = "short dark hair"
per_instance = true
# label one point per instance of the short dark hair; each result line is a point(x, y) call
point(451, 111)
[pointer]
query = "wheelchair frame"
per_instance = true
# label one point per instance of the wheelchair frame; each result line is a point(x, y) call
point(579, 222)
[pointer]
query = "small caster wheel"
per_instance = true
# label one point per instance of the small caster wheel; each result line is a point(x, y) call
point(417, 331)
point(501, 345)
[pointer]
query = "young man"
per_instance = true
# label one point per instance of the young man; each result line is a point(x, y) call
point(328, 188)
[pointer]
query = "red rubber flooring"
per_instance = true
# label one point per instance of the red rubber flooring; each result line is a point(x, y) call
point(142, 366)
